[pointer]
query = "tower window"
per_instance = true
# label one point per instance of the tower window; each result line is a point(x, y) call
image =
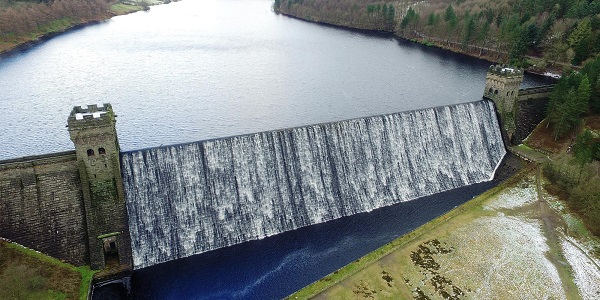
point(490, 91)
point(496, 92)
point(101, 151)
point(90, 152)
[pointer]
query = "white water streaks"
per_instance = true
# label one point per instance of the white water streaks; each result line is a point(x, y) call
point(188, 199)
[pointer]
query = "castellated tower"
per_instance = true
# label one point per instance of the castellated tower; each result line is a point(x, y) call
point(93, 132)
point(502, 86)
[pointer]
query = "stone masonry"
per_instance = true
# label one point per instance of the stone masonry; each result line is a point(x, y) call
point(41, 205)
point(519, 110)
point(502, 87)
point(71, 205)
point(93, 132)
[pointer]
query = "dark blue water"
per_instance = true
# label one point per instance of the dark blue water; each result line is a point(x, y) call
point(277, 266)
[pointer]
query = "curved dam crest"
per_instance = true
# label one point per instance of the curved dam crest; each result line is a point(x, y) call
point(191, 198)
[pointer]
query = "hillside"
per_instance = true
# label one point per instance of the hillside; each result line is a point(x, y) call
point(22, 22)
point(547, 33)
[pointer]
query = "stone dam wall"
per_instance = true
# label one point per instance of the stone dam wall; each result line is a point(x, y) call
point(191, 198)
point(531, 110)
point(47, 205)
point(41, 205)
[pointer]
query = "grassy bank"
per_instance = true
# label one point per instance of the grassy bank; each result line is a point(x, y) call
point(373, 257)
point(123, 9)
point(11, 41)
point(27, 274)
point(505, 244)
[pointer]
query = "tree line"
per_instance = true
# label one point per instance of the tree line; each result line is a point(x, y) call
point(362, 14)
point(32, 17)
point(577, 178)
point(555, 31)
point(576, 95)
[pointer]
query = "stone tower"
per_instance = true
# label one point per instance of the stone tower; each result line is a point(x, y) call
point(502, 86)
point(93, 132)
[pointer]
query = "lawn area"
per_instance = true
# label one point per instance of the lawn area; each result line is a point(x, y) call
point(543, 138)
point(27, 274)
point(504, 244)
point(123, 9)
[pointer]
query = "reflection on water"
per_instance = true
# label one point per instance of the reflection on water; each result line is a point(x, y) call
point(194, 70)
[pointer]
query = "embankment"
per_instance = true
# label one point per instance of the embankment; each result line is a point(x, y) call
point(24, 41)
point(489, 54)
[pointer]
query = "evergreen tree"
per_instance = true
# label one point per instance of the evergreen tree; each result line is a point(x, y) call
point(580, 41)
point(469, 30)
point(568, 102)
point(391, 15)
point(411, 17)
point(450, 17)
point(583, 96)
point(584, 147)
point(431, 19)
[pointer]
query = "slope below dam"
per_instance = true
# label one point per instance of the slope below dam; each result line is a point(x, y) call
point(191, 198)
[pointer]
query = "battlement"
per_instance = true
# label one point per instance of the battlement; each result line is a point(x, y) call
point(505, 71)
point(92, 115)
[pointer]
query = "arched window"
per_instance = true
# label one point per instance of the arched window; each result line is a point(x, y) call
point(101, 151)
point(90, 152)
point(490, 91)
point(496, 92)
point(507, 93)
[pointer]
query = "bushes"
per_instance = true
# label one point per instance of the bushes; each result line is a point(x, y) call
point(581, 187)
point(585, 200)
point(36, 17)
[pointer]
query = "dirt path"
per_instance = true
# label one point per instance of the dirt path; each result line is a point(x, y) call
point(550, 223)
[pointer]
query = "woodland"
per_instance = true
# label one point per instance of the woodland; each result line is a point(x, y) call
point(523, 32)
point(20, 18)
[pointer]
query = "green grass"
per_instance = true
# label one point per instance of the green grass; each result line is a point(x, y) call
point(86, 281)
point(57, 25)
point(27, 274)
point(10, 40)
point(332, 279)
point(524, 147)
point(121, 9)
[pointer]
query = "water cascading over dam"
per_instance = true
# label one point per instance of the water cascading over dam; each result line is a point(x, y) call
point(191, 198)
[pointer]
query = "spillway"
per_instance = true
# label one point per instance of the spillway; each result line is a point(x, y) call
point(191, 198)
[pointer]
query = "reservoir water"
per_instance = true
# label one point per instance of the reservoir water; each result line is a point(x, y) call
point(196, 70)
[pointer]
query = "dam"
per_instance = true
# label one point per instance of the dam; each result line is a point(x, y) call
point(161, 206)
point(187, 199)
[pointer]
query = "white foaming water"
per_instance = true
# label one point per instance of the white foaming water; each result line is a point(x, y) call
point(187, 199)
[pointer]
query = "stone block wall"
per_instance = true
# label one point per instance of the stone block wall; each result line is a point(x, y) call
point(530, 113)
point(41, 205)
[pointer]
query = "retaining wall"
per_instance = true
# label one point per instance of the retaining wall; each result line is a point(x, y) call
point(41, 205)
